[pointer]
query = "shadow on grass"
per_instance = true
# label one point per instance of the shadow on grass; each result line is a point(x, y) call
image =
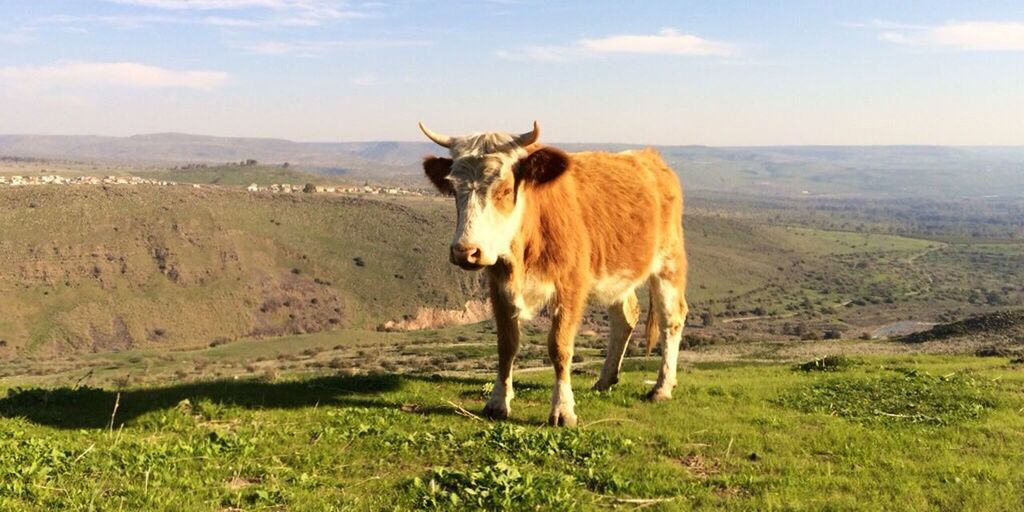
point(91, 408)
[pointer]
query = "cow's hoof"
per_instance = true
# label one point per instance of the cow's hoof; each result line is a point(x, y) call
point(562, 418)
point(659, 395)
point(496, 410)
point(603, 385)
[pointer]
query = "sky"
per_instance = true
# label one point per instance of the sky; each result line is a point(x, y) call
point(720, 72)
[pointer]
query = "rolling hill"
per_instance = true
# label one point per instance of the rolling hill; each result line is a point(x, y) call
point(93, 268)
point(875, 171)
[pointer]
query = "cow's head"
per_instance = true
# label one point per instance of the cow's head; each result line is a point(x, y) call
point(487, 173)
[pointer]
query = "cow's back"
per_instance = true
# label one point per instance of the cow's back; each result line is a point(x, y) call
point(631, 204)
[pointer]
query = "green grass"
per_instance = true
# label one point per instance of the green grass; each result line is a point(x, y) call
point(736, 437)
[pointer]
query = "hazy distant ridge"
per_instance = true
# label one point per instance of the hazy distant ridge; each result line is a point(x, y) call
point(818, 170)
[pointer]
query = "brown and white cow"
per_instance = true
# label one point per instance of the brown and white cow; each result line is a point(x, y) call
point(552, 229)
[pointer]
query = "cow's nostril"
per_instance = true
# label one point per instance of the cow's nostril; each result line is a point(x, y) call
point(466, 254)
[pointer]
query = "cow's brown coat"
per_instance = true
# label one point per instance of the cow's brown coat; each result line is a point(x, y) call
point(594, 223)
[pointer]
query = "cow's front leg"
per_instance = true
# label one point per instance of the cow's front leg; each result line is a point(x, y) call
point(568, 311)
point(506, 319)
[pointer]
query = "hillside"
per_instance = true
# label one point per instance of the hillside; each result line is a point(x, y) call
point(1004, 326)
point(238, 176)
point(91, 268)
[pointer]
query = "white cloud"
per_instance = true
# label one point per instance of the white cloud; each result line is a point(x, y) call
point(108, 74)
point(993, 36)
point(542, 53)
point(365, 80)
point(318, 48)
point(666, 42)
point(287, 12)
point(17, 35)
point(116, 21)
point(210, 5)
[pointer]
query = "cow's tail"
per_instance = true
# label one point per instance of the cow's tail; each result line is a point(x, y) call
point(652, 325)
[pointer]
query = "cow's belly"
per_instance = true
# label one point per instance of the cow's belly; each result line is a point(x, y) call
point(615, 288)
point(533, 296)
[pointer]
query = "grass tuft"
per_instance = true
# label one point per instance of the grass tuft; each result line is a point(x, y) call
point(911, 397)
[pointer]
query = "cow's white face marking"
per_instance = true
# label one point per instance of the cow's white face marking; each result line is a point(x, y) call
point(488, 205)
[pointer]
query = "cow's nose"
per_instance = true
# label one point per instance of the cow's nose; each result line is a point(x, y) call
point(466, 253)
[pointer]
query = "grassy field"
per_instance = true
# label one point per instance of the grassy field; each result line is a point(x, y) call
point(864, 433)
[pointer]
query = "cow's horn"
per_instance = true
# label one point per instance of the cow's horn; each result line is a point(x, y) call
point(441, 140)
point(529, 137)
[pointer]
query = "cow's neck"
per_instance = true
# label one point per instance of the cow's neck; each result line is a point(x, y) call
point(526, 276)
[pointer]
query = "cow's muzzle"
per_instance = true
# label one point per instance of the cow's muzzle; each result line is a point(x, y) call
point(467, 257)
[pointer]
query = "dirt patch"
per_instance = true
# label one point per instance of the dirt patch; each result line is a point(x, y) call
point(901, 328)
point(700, 466)
point(433, 318)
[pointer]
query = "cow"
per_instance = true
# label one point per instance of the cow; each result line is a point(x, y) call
point(552, 229)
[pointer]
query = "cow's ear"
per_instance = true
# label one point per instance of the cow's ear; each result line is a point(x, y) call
point(542, 166)
point(437, 170)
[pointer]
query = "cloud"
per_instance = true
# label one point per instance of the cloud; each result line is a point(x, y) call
point(989, 36)
point(318, 48)
point(542, 53)
point(286, 12)
point(666, 42)
point(669, 42)
point(109, 74)
point(18, 35)
point(365, 80)
point(116, 21)
point(211, 5)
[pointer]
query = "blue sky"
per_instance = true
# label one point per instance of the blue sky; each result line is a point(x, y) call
point(673, 72)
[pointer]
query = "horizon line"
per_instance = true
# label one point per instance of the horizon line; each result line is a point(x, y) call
point(368, 141)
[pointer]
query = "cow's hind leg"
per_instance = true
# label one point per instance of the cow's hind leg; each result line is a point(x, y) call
point(623, 317)
point(668, 289)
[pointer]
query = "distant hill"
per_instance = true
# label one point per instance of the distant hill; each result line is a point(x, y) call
point(782, 170)
point(177, 148)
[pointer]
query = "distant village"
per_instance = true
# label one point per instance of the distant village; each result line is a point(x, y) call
point(277, 188)
point(329, 189)
point(18, 181)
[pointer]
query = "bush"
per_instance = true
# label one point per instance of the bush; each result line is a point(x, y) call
point(707, 318)
point(825, 364)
